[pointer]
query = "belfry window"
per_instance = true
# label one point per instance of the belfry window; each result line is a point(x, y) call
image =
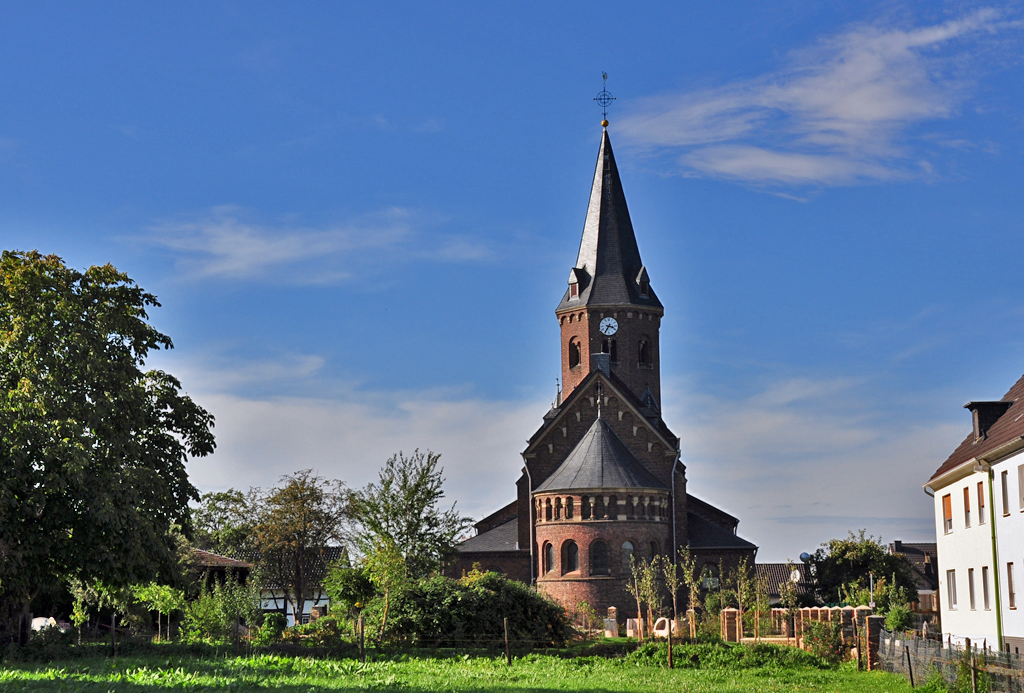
point(574, 352)
point(645, 352)
point(608, 346)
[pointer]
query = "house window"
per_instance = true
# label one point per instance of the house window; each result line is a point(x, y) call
point(599, 558)
point(970, 586)
point(947, 514)
point(570, 557)
point(549, 558)
point(1006, 493)
point(984, 586)
point(574, 352)
point(627, 554)
point(981, 502)
point(1020, 485)
point(951, 589)
point(967, 506)
point(1011, 595)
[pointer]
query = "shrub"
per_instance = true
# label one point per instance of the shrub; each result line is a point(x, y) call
point(725, 656)
point(273, 626)
point(442, 612)
point(899, 618)
point(826, 640)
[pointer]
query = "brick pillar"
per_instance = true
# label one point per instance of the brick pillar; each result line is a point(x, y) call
point(874, 633)
point(730, 625)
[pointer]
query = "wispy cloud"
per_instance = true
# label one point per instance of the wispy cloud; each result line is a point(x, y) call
point(222, 244)
point(803, 460)
point(836, 114)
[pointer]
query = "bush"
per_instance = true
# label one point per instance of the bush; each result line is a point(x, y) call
point(826, 640)
point(725, 656)
point(441, 612)
point(273, 626)
point(899, 618)
point(324, 631)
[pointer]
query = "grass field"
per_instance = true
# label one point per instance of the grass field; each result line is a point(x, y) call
point(463, 673)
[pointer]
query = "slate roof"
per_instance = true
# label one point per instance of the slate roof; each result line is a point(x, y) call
point(775, 574)
point(923, 558)
point(600, 460)
point(705, 534)
point(609, 257)
point(504, 537)
point(1008, 427)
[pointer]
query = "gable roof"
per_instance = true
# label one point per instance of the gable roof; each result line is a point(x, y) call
point(600, 460)
point(620, 390)
point(504, 537)
point(705, 534)
point(1008, 428)
point(208, 559)
point(608, 265)
point(776, 574)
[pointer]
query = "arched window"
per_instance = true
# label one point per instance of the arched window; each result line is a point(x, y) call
point(654, 549)
point(614, 351)
point(599, 558)
point(570, 557)
point(549, 558)
point(547, 509)
point(574, 352)
point(645, 351)
point(627, 553)
point(569, 508)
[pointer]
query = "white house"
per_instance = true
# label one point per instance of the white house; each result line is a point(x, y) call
point(979, 528)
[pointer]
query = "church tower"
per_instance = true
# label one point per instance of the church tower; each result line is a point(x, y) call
point(603, 482)
point(610, 316)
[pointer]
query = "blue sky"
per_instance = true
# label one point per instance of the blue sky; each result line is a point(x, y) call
point(359, 220)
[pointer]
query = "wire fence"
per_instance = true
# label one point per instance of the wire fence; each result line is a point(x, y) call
point(966, 665)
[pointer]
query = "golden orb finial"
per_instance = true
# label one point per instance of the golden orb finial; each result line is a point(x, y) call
point(604, 123)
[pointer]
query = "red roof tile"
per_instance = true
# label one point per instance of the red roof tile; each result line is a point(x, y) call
point(215, 560)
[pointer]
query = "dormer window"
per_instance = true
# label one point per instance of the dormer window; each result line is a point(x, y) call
point(644, 282)
point(576, 276)
point(645, 289)
point(574, 291)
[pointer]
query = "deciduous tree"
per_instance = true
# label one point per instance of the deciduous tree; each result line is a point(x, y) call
point(401, 509)
point(92, 446)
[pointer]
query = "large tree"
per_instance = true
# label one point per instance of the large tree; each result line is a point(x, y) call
point(401, 510)
point(842, 570)
point(293, 525)
point(92, 446)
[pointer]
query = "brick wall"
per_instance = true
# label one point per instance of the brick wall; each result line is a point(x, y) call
point(513, 564)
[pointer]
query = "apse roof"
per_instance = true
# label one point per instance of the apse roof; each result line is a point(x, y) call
point(600, 460)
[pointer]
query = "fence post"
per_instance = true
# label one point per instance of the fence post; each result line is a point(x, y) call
point(974, 674)
point(910, 665)
point(670, 624)
point(508, 652)
point(362, 644)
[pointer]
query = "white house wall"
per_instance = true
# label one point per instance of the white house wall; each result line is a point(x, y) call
point(273, 600)
point(961, 549)
point(1010, 542)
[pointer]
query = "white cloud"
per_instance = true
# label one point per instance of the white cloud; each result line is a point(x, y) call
point(222, 245)
point(836, 114)
point(804, 460)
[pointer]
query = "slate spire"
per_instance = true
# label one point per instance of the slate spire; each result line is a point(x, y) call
point(608, 270)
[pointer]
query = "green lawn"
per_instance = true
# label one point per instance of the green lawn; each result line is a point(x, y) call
point(531, 673)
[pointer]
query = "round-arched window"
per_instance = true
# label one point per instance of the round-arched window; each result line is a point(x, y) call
point(599, 558)
point(654, 549)
point(575, 355)
point(627, 554)
point(645, 351)
point(549, 558)
point(570, 557)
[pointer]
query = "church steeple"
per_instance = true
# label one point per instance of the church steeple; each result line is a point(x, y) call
point(608, 270)
point(610, 315)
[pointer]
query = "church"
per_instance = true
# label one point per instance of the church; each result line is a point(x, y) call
point(603, 479)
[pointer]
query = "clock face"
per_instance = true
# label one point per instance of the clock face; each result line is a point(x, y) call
point(609, 326)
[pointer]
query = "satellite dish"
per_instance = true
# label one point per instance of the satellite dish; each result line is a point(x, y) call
point(794, 576)
point(805, 557)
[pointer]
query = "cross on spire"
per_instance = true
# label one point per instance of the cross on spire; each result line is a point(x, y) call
point(604, 99)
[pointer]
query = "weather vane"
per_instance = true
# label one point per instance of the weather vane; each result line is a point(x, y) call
point(604, 99)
